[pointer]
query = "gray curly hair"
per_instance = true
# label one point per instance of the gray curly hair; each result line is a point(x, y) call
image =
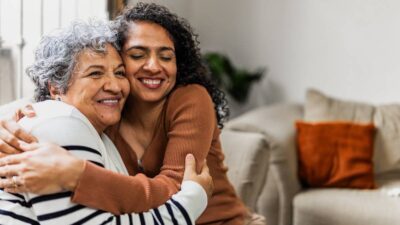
point(55, 57)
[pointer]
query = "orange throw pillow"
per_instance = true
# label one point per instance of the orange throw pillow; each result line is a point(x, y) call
point(335, 154)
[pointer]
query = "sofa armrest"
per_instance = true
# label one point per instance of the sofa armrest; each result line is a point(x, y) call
point(276, 122)
point(247, 156)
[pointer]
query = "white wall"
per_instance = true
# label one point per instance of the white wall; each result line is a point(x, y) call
point(346, 48)
point(54, 17)
point(181, 7)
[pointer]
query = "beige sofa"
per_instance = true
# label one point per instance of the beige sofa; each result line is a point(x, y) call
point(283, 201)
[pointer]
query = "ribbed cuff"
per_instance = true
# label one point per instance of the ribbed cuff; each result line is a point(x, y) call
point(193, 198)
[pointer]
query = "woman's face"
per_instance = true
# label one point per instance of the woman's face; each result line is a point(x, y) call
point(150, 61)
point(98, 87)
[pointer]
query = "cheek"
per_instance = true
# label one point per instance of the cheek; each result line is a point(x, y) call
point(173, 73)
point(125, 87)
point(131, 66)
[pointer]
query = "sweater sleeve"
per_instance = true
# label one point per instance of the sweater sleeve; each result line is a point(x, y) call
point(183, 208)
point(190, 120)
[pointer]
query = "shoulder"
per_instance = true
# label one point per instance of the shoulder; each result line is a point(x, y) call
point(60, 123)
point(190, 103)
point(192, 93)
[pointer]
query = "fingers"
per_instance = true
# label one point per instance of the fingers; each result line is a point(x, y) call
point(205, 171)
point(11, 159)
point(190, 167)
point(16, 190)
point(17, 131)
point(29, 147)
point(6, 149)
point(12, 184)
point(10, 170)
point(208, 181)
point(26, 111)
point(8, 142)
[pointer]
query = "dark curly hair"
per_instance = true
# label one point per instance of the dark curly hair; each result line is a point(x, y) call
point(190, 67)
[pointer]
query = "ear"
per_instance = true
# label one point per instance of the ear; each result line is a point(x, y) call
point(53, 91)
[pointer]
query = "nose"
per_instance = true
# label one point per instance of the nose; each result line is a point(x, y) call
point(152, 65)
point(112, 85)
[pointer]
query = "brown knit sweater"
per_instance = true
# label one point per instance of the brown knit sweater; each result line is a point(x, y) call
point(189, 125)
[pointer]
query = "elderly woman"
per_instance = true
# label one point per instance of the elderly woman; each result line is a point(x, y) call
point(81, 90)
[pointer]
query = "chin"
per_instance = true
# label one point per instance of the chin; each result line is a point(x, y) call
point(111, 121)
point(152, 98)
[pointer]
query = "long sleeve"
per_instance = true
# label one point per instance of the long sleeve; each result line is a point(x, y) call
point(183, 208)
point(16, 209)
point(190, 123)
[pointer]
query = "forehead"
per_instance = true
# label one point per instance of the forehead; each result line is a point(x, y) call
point(88, 57)
point(88, 53)
point(149, 34)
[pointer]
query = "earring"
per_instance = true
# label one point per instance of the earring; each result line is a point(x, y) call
point(58, 98)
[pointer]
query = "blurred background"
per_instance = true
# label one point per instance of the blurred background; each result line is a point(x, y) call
point(22, 23)
point(346, 48)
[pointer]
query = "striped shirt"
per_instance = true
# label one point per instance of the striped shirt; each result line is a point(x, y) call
point(63, 124)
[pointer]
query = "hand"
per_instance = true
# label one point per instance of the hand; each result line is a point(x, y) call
point(43, 168)
point(11, 136)
point(204, 178)
point(25, 111)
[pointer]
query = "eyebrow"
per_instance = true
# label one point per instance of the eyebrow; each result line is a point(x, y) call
point(120, 65)
point(163, 48)
point(94, 67)
point(101, 67)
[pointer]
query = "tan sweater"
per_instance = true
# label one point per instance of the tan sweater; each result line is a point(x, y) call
point(189, 125)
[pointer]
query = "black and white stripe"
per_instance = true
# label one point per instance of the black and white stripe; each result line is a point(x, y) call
point(61, 128)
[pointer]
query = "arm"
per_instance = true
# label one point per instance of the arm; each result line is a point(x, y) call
point(181, 208)
point(191, 123)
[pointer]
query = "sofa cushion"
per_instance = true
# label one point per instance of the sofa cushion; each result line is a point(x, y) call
point(247, 158)
point(386, 118)
point(345, 206)
point(335, 154)
point(319, 107)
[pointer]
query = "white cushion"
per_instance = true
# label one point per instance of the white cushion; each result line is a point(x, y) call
point(246, 155)
point(345, 206)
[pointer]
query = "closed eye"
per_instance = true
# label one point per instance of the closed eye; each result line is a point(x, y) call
point(166, 58)
point(135, 57)
point(95, 74)
point(120, 73)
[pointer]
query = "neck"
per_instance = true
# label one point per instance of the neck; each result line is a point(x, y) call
point(99, 128)
point(142, 114)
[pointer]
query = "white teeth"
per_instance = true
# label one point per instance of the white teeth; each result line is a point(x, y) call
point(151, 82)
point(109, 101)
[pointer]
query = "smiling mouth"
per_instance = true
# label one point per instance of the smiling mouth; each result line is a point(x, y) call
point(151, 83)
point(109, 102)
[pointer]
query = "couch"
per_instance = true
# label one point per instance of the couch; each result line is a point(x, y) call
point(282, 199)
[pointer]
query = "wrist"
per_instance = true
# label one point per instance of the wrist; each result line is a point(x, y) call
point(72, 180)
